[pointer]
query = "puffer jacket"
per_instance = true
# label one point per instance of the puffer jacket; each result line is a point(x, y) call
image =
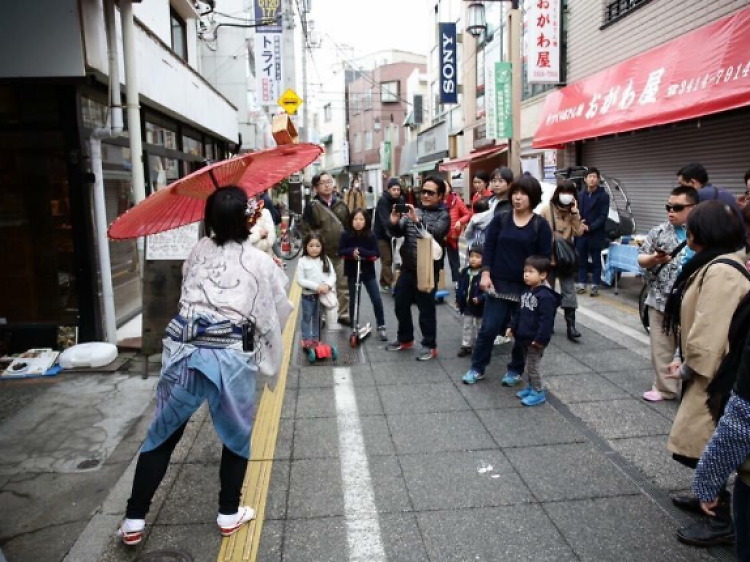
point(354, 199)
point(435, 220)
point(456, 210)
point(317, 218)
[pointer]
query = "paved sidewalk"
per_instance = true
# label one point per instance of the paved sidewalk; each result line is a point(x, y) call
point(464, 473)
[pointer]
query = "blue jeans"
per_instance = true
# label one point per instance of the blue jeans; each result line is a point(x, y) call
point(741, 515)
point(497, 314)
point(310, 317)
point(371, 285)
point(586, 249)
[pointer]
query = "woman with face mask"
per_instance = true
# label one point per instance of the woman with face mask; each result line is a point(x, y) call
point(563, 217)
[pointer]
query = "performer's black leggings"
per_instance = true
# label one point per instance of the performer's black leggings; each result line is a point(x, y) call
point(152, 466)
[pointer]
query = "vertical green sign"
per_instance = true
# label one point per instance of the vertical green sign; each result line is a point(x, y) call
point(387, 155)
point(504, 99)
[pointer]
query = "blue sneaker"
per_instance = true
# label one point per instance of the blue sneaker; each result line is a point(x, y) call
point(472, 376)
point(525, 392)
point(535, 398)
point(511, 379)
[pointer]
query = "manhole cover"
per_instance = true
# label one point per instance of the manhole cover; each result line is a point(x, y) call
point(347, 355)
point(165, 556)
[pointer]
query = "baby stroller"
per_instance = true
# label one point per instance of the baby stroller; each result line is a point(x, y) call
point(621, 221)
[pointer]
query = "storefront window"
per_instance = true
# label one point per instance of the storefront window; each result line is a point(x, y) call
point(93, 113)
point(160, 136)
point(36, 232)
point(192, 146)
point(162, 171)
point(118, 191)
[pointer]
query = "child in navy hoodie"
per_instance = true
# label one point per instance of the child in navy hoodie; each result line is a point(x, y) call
point(532, 325)
point(470, 300)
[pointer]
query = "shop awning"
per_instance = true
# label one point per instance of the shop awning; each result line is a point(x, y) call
point(458, 164)
point(702, 72)
point(425, 166)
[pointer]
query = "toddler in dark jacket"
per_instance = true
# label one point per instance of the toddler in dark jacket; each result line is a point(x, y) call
point(470, 299)
point(532, 325)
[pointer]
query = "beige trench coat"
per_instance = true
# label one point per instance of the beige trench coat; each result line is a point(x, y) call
point(705, 316)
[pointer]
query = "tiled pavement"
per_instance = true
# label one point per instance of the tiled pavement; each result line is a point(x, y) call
point(552, 493)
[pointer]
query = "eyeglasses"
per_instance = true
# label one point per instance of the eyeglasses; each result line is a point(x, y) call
point(429, 192)
point(677, 208)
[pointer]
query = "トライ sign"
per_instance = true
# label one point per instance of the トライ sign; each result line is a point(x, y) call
point(268, 51)
point(448, 64)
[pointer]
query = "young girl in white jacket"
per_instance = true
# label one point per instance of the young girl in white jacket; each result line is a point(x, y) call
point(317, 276)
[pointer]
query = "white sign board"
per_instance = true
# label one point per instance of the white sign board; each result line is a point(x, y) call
point(173, 244)
point(268, 67)
point(543, 40)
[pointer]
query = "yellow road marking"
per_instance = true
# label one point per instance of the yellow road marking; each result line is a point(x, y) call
point(618, 304)
point(243, 545)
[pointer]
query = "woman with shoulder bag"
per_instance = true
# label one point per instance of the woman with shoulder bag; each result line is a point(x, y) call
point(700, 307)
point(562, 215)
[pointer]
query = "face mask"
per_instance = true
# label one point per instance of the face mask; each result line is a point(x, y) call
point(566, 198)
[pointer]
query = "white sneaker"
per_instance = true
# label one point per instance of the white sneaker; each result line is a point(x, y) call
point(131, 531)
point(501, 340)
point(230, 524)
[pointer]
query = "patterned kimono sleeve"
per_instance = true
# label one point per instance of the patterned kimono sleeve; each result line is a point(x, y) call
point(728, 449)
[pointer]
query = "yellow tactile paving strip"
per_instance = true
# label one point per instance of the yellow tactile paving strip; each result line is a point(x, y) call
point(243, 545)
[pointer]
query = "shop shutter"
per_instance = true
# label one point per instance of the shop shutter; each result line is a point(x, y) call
point(646, 162)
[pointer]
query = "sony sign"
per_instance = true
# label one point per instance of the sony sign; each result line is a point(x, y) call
point(448, 64)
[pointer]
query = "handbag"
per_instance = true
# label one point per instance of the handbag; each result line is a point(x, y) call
point(329, 299)
point(566, 256)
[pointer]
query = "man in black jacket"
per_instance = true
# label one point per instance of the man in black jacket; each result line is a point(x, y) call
point(432, 217)
point(381, 221)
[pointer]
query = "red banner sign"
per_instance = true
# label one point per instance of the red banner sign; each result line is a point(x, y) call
point(703, 72)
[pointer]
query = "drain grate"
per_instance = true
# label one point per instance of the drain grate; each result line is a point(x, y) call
point(347, 355)
point(165, 556)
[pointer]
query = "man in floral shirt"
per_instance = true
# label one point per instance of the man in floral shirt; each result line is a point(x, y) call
point(662, 256)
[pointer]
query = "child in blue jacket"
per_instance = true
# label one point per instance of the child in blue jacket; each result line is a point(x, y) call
point(532, 325)
point(470, 299)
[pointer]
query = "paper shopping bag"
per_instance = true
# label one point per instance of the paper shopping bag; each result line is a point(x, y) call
point(425, 265)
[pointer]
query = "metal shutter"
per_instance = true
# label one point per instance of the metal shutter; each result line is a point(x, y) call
point(647, 161)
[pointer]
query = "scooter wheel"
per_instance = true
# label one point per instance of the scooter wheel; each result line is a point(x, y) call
point(311, 355)
point(353, 340)
point(334, 353)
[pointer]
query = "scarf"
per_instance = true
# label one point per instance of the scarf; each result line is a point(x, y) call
point(674, 301)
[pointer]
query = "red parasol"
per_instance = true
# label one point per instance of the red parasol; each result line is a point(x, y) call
point(183, 201)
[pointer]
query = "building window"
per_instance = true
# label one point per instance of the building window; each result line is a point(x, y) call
point(357, 142)
point(179, 34)
point(160, 136)
point(389, 92)
point(368, 100)
point(368, 140)
point(355, 103)
point(327, 113)
point(192, 145)
point(614, 10)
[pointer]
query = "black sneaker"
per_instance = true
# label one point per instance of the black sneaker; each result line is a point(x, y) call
point(464, 351)
point(427, 354)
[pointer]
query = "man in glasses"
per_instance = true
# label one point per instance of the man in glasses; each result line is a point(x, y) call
point(411, 223)
point(662, 256)
point(327, 213)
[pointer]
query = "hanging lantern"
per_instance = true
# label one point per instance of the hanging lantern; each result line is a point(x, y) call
point(477, 21)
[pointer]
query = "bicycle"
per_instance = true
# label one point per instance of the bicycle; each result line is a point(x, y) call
point(289, 241)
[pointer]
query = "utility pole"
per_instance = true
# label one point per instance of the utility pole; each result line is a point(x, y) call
point(305, 46)
point(514, 29)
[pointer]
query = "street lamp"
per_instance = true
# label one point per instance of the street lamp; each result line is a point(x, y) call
point(477, 27)
point(477, 20)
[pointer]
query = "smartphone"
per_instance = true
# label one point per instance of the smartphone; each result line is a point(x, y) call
point(402, 208)
point(661, 252)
